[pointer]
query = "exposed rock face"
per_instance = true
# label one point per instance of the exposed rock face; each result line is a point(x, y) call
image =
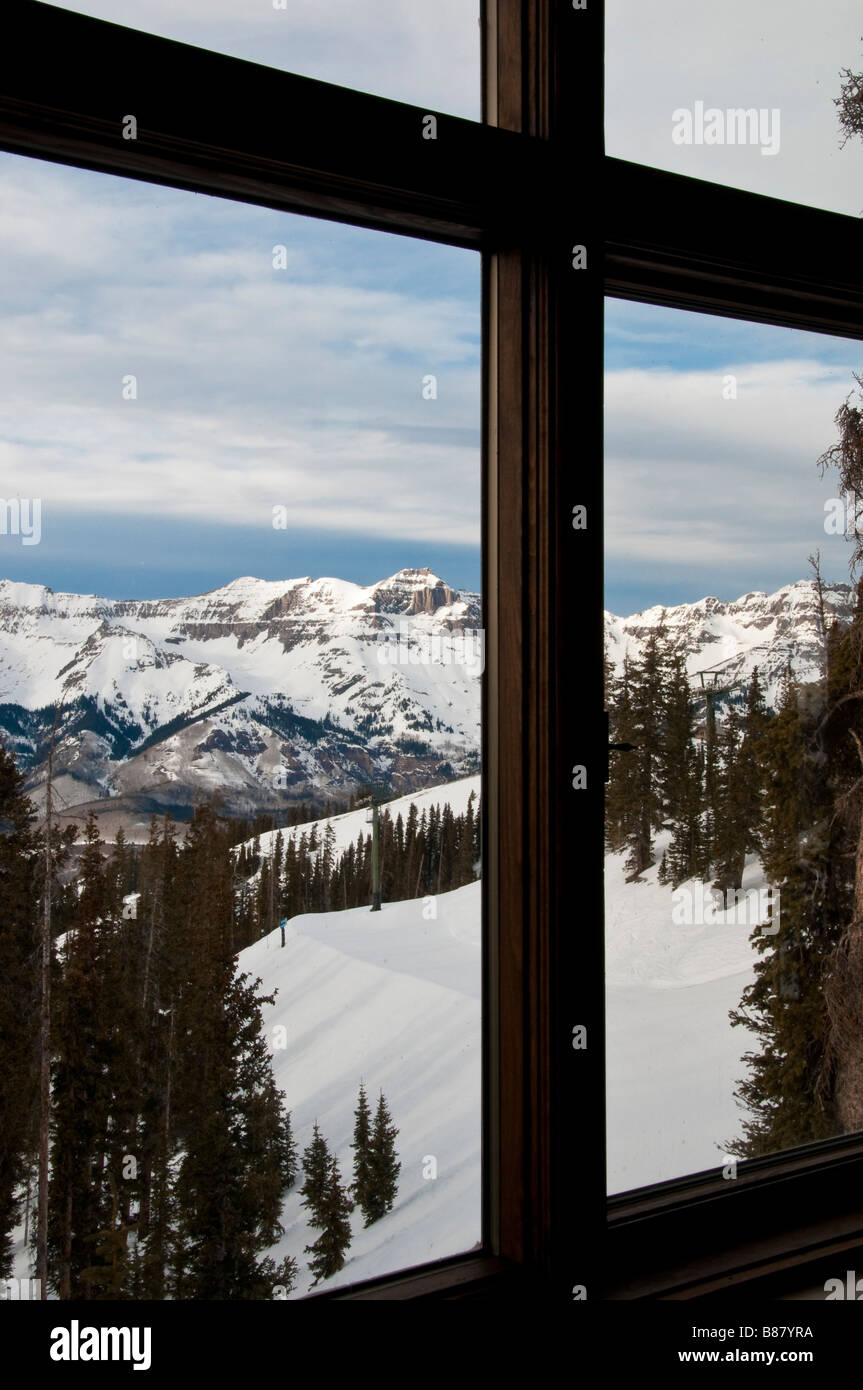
point(732, 638)
point(267, 693)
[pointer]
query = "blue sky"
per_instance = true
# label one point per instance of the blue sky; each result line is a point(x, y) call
point(299, 387)
point(302, 387)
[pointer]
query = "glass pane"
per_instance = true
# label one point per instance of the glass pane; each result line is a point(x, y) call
point(743, 94)
point(427, 55)
point(733, 824)
point(241, 645)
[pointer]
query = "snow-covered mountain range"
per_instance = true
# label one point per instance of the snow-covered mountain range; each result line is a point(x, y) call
point(271, 693)
point(727, 640)
point(267, 692)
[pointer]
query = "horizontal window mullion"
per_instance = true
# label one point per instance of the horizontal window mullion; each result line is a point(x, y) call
point(235, 129)
point(773, 1208)
point(688, 244)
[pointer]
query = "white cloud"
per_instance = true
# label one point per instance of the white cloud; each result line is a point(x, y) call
point(255, 387)
point(783, 54)
point(695, 481)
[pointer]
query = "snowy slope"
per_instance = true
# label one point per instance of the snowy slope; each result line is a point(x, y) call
point(673, 1057)
point(394, 1000)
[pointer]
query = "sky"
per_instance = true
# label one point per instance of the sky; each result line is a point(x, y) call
point(776, 55)
point(712, 484)
point(300, 387)
point(706, 495)
point(424, 54)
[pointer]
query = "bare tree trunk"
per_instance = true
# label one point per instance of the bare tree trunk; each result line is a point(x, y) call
point(27, 1205)
point(419, 874)
point(271, 907)
point(815, 562)
point(166, 1154)
point(45, 1038)
point(156, 907)
point(65, 1285)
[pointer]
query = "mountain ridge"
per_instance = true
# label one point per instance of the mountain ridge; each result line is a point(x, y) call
point(732, 637)
point(268, 692)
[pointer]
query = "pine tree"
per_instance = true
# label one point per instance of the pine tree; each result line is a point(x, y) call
point(316, 1159)
point(755, 724)
point(635, 795)
point(411, 851)
point(711, 787)
point(226, 1111)
point(682, 774)
point(384, 1165)
point(732, 833)
point(287, 1150)
point(230, 1183)
point(327, 861)
point(619, 804)
point(361, 1188)
point(842, 732)
point(156, 924)
point(785, 1006)
point(467, 854)
point(83, 1081)
point(20, 855)
point(332, 1219)
point(108, 1277)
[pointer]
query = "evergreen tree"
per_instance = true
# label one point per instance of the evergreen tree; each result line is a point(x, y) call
point(316, 1159)
point(785, 1005)
point(226, 1111)
point(682, 773)
point(361, 1188)
point(83, 1079)
point(739, 787)
point(635, 795)
point(108, 1277)
point(732, 831)
point(711, 786)
point(231, 1179)
point(755, 724)
point(620, 810)
point(384, 1165)
point(332, 1219)
point(842, 732)
point(20, 861)
point(287, 1151)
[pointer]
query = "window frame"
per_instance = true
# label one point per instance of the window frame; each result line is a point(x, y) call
point(520, 188)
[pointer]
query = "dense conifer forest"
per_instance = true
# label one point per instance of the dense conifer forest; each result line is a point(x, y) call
point(166, 1148)
point(725, 777)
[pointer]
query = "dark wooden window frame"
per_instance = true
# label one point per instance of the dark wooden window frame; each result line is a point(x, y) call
point(524, 188)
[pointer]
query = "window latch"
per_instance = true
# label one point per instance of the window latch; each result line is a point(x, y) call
point(615, 747)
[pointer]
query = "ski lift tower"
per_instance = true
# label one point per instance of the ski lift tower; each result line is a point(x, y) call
point(717, 680)
point(714, 681)
point(377, 793)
